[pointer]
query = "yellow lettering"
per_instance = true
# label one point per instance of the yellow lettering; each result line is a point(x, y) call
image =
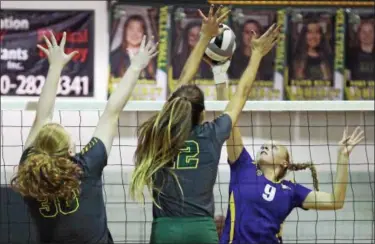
point(339, 40)
point(301, 83)
point(163, 35)
point(280, 49)
point(146, 82)
point(313, 93)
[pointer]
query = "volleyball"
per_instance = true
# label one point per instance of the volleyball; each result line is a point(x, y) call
point(221, 47)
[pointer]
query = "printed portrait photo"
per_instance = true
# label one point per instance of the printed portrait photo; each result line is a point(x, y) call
point(311, 46)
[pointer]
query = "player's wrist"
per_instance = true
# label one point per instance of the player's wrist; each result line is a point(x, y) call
point(204, 37)
point(58, 67)
point(220, 78)
point(135, 68)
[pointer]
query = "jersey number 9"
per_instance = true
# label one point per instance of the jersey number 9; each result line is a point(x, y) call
point(50, 209)
point(188, 156)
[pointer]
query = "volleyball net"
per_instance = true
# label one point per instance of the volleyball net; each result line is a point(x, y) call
point(310, 130)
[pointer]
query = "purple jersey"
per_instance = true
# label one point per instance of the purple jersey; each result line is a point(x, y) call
point(257, 206)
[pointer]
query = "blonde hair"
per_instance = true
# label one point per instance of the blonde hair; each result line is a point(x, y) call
point(162, 136)
point(297, 167)
point(48, 172)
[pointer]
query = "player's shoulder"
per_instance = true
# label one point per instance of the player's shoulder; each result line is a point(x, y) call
point(209, 126)
point(289, 183)
point(95, 144)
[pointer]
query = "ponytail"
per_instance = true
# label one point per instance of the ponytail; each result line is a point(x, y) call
point(160, 139)
point(42, 177)
point(303, 166)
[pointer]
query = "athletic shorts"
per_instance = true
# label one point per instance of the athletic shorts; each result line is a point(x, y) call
point(189, 230)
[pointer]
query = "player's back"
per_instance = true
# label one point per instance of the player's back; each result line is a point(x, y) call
point(82, 220)
point(196, 170)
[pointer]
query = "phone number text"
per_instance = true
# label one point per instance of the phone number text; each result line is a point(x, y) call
point(31, 85)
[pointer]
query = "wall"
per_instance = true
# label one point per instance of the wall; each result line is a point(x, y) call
point(311, 136)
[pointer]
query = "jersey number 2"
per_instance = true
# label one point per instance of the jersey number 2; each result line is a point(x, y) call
point(50, 209)
point(188, 156)
point(269, 193)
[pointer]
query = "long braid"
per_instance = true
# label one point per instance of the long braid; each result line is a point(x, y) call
point(303, 166)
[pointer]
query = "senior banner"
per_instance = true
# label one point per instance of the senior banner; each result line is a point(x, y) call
point(24, 67)
point(315, 54)
point(360, 53)
point(128, 26)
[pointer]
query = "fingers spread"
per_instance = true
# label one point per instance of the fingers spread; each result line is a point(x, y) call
point(345, 134)
point(63, 40)
point(223, 16)
point(154, 55)
point(150, 43)
point(276, 41)
point(356, 131)
point(143, 43)
point(359, 140)
point(43, 49)
point(48, 43)
point(211, 12)
point(269, 31)
point(72, 54)
point(53, 39)
point(153, 48)
point(202, 15)
point(359, 136)
point(218, 11)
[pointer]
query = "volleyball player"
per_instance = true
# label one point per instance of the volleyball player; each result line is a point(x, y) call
point(62, 189)
point(260, 199)
point(177, 155)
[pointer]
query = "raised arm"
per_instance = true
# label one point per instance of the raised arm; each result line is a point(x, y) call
point(261, 46)
point(106, 128)
point(57, 60)
point(331, 201)
point(210, 29)
point(234, 143)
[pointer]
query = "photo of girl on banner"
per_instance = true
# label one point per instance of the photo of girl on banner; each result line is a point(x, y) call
point(243, 22)
point(129, 25)
point(311, 56)
point(360, 54)
point(186, 26)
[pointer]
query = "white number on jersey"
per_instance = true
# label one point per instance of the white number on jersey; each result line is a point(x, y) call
point(269, 193)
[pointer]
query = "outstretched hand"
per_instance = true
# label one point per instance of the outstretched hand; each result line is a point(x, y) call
point(211, 23)
point(348, 143)
point(267, 41)
point(145, 53)
point(55, 53)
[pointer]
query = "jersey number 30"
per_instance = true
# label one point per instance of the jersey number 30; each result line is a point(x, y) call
point(188, 156)
point(50, 209)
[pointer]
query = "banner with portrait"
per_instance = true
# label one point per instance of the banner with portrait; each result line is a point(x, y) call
point(314, 71)
point(185, 30)
point(24, 67)
point(129, 25)
point(360, 54)
point(269, 80)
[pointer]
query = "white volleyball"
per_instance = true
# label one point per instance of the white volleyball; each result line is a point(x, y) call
point(221, 47)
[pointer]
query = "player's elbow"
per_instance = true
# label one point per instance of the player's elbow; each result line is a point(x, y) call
point(336, 203)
